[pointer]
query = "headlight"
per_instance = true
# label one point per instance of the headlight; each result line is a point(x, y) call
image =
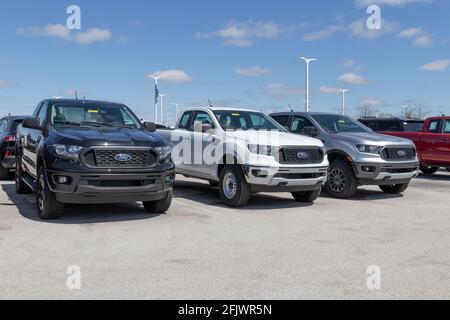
point(261, 149)
point(164, 152)
point(69, 152)
point(369, 149)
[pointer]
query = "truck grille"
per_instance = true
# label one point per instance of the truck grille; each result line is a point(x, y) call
point(306, 155)
point(398, 154)
point(117, 158)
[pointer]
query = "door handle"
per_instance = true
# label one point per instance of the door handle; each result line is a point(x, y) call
point(215, 140)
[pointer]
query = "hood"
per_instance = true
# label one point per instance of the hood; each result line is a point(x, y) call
point(273, 138)
point(370, 138)
point(86, 137)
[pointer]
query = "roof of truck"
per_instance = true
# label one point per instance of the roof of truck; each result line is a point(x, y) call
point(83, 101)
point(221, 109)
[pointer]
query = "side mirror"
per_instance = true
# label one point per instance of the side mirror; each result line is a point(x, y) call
point(206, 127)
point(310, 131)
point(150, 126)
point(31, 123)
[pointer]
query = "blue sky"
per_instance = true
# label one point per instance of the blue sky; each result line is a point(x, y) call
point(236, 53)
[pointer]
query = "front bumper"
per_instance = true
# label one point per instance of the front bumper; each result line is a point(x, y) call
point(285, 179)
point(386, 173)
point(88, 188)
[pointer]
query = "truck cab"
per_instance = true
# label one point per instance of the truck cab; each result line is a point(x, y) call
point(432, 142)
point(244, 152)
point(91, 152)
point(357, 155)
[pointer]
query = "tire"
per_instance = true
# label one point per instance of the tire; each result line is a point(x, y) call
point(234, 190)
point(429, 170)
point(4, 173)
point(395, 189)
point(48, 207)
point(307, 197)
point(21, 187)
point(159, 206)
point(214, 184)
point(341, 182)
point(448, 169)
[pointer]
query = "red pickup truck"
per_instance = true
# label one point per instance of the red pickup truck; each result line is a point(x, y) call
point(433, 144)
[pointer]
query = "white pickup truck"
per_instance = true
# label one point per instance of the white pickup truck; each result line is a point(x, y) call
point(244, 152)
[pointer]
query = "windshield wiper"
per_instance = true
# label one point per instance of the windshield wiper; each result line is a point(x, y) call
point(70, 123)
point(104, 124)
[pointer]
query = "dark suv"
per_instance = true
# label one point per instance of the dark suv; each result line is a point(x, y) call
point(8, 127)
point(91, 152)
point(392, 125)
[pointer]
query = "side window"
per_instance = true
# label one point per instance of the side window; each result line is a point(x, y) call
point(184, 122)
point(391, 126)
point(3, 125)
point(42, 115)
point(447, 126)
point(433, 127)
point(370, 124)
point(299, 124)
point(283, 120)
point(203, 118)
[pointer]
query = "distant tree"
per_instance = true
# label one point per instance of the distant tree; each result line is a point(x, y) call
point(385, 115)
point(367, 111)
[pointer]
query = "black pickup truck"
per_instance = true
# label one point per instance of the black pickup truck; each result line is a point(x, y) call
point(91, 152)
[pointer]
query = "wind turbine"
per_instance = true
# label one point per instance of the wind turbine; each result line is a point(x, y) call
point(156, 79)
point(343, 91)
point(307, 61)
point(162, 95)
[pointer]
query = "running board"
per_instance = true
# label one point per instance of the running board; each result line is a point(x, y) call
point(30, 182)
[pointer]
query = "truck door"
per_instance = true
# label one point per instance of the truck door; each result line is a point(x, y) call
point(200, 141)
point(445, 142)
point(182, 133)
point(33, 139)
point(430, 141)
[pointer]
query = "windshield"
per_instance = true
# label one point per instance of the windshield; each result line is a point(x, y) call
point(246, 120)
point(93, 115)
point(339, 124)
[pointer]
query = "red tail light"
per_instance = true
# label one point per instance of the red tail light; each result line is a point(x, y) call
point(9, 138)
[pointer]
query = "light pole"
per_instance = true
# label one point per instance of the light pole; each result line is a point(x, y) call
point(308, 61)
point(177, 106)
point(156, 79)
point(162, 95)
point(343, 91)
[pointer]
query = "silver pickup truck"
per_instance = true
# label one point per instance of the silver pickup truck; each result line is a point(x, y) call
point(357, 155)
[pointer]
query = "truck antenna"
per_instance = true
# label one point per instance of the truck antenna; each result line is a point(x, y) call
point(210, 104)
point(76, 95)
point(290, 108)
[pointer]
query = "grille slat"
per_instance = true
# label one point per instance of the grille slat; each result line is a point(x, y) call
point(301, 156)
point(106, 158)
point(399, 154)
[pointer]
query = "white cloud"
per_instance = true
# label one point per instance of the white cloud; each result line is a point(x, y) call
point(329, 90)
point(60, 31)
point(254, 71)
point(6, 84)
point(423, 41)
point(420, 37)
point(244, 34)
point(392, 3)
point(348, 63)
point(51, 30)
point(323, 34)
point(411, 32)
point(172, 76)
point(282, 90)
point(372, 102)
point(352, 78)
point(439, 65)
point(358, 29)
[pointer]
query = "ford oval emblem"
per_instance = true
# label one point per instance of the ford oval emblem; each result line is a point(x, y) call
point(402, 153)
point(123, 157)
point(303, 155)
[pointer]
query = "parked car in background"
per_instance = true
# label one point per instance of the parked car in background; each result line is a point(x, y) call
point(392, 124)
point(8, 127)
point(91, 152)
point(357, 155)
point(252, 153)
point(432, 142)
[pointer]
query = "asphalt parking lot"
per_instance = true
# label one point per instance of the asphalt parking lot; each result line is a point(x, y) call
point(273, 249)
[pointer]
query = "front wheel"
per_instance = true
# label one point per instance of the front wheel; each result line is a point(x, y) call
point(48, 207)
point(395, 189)
point(307, 197)
point(342, 182)
point(159, 206)
point(4, 173)
point(234, 189)
point(428, 170)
